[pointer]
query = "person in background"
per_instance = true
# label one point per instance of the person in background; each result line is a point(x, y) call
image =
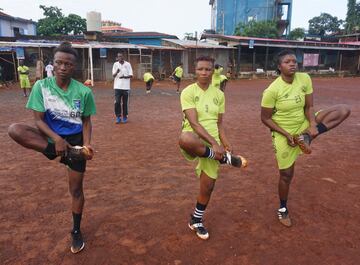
point(49, 69)
point(24, 80)
point(177, 75)
point(122, 73)
point(149, 80)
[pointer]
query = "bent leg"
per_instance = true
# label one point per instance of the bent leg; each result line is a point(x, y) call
point(333, 116)
point(28, 136)
point(192, 144)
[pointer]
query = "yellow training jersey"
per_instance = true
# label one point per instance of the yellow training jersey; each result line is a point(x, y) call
point(148, 77)
point(288, 101)
point(179, 71)
point(208, 105)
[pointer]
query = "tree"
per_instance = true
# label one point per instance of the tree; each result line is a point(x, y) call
point(297, 33)
point(352, 17)
point(324, 24)
point(55, 23)
point(261, 29)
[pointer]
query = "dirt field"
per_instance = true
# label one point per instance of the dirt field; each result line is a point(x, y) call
point(140, 191)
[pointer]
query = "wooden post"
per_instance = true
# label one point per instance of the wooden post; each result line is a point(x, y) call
point(253, 62)
point(266, 58)
point(238, 60)
point(14, 63)
point(340, 66)
point(91, 66)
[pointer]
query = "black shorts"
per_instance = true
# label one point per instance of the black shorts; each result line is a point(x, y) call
point(76, 165)
point(177, 79)
point(149, 83)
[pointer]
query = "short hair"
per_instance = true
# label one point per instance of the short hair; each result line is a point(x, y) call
point(66, 48)
point(280, 56)
point(205, 58)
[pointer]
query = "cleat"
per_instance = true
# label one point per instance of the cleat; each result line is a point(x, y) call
point(234, 160)
point(77, 243)
point(283, 216)
point(199, 228)
point(78, 153)
point(303, 141)
point(118, 120)
point(125, 119)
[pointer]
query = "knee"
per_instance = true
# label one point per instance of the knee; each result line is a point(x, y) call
point(14, 131)
point(186, 139)
point(207, 190)
point(76, 192)
point(286, 177)
point(344, 111)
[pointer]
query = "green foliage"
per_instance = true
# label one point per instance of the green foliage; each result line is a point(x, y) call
point(260, 29)
point(297, 33)
point(352, 17)
point(324, 24)
point(56, 24)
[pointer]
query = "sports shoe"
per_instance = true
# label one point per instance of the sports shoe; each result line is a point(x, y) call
point(148, 91)
point(77, 243)
point(199, 228)
point(125, 119)
point(118, 120)
point(76, 153)
point(283, 215)
point(234, 160)
point(303, 141)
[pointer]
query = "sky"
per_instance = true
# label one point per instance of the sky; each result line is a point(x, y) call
point(166, 16)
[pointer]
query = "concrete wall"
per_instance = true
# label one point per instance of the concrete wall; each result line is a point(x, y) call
point(7, 28)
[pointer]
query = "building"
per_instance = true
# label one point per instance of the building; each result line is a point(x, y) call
point(144, 38)
point(226, 15)
point(111, 26)
point(13, 26)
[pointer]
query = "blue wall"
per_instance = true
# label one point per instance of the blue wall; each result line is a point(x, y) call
point(232, 12)
point(146, 41)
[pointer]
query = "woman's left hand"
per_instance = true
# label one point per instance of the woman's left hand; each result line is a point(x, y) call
point(313, 131)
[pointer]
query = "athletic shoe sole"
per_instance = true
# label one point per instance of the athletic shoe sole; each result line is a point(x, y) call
point(300, 141)
point(203, 237)
point(78, 250)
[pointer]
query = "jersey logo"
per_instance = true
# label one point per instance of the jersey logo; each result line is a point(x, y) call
point(286, 96)
point(77, 104)
point(216, 101)
point(196, 99)
point(303, 88)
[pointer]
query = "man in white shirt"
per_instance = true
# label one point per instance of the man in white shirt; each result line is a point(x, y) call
point(122, 72)
point(49, 70)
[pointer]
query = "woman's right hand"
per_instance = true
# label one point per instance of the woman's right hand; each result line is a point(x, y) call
point(218, 150)
point(61, 146)
point(290, 140)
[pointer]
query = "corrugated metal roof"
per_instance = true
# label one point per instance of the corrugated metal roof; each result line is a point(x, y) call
point(244, 41)
point(95, 45)
point(196, 44)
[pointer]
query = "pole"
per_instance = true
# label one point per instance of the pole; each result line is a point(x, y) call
point(91, 66)
point(253, 63)
point(238, 60)
point(14, 63)
point(266, 58)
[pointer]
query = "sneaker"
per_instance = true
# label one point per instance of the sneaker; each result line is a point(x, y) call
point(77, 243)
point(148, 91)
point(303, 141)
point(283, 215)
point(125, 119)
point(118, 120)
point(234, 160)
point(199, 228)
point(76, 153)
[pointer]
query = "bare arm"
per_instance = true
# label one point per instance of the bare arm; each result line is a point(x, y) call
point(222, 134)
point(192, 117)
point(60, 143)
point(266, 118)
point(87, 129)
point(310, 114)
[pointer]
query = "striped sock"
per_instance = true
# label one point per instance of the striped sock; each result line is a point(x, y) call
point(209, 153)
point(198, 212)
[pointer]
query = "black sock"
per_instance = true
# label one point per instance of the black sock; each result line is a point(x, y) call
point(209, 153)
point(283, 204)
point(321, 128)
point(76, 220)
point(50, 149)
point(198, 212)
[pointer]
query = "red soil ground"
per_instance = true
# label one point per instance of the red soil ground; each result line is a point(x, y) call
point(140, 191)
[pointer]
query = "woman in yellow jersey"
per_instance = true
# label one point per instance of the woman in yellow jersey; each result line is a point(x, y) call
point(177, 75)
point(203, 137)
point(149, 80)
point(287, 109)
